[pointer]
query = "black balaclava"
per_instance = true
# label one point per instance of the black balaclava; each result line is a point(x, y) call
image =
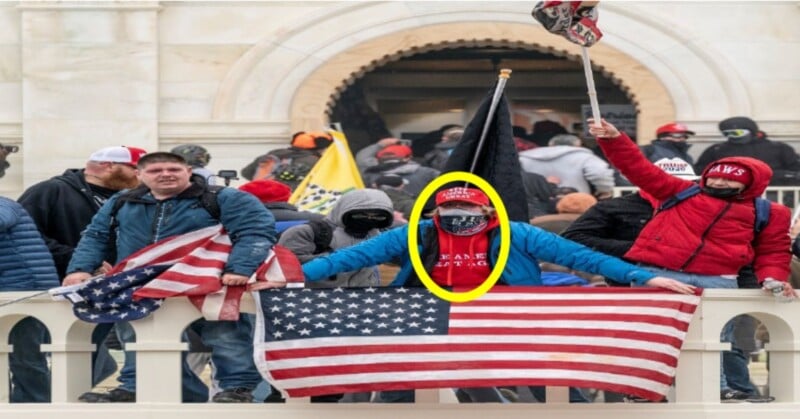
point(358, 223)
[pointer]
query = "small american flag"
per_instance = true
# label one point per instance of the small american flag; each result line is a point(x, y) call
point(188, 265)
point(322, 341)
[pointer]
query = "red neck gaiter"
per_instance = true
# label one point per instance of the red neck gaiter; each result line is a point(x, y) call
point(463, 260)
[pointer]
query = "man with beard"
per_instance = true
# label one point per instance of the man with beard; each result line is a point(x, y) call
point(64, 205)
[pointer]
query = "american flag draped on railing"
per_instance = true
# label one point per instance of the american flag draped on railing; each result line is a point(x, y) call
point(188, 265)
point(322, 341)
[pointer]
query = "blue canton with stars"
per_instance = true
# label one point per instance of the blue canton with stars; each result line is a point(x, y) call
point(110, 299)
point(319, 313)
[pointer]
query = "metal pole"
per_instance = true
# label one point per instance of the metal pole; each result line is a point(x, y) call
point(498, 92)
point(587, 71)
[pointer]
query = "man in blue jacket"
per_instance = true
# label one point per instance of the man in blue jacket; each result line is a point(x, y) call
point(170, 203)
point(25, 265)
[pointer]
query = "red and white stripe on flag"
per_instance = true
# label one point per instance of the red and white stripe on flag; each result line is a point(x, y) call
point(198, 259)
point(624, 340)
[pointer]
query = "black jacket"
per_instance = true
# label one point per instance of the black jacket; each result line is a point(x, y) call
point(61, 207)
point(284, 211)
point(661, 149)
point(781, 157)
point(611, 225)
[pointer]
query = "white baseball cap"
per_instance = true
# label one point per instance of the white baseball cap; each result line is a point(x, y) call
point(678, 168)
point(118, 154)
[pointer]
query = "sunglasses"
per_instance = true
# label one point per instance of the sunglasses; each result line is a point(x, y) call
point(678, 136)
point(735, 132)
point(369, 216)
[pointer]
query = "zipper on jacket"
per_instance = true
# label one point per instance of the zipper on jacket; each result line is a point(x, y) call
point(157, 217)
point(703, 237)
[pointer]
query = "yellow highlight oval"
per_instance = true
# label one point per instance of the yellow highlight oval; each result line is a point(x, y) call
point(505, 237)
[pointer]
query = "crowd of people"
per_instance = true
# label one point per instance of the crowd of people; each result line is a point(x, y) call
point(719, 232)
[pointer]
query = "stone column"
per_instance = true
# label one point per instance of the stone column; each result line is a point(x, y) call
point(89, 80)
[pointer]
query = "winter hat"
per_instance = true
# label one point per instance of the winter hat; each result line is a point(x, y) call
point(118, 154)
point(396, 151)
point(311, 140)
point(739, 122)
point(730, 171)
point(575, 203)
point(677, 167)
point(469, 195)
point(267, 190)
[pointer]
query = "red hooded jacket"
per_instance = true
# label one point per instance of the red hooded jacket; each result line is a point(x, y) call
point(704, 235)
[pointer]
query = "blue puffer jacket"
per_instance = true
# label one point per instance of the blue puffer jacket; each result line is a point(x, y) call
point(529, 245)
point(146, 220)
point(25, 262)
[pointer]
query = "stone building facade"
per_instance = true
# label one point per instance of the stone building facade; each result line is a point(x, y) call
point(240, 77)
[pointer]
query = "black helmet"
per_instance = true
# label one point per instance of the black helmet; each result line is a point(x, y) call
point(195, 155)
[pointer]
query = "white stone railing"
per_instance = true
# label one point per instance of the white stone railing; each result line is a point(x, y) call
point(158, 347)
point(787, 195)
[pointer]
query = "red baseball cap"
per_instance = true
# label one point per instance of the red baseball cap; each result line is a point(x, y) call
point(460, 194)
point(398, 151)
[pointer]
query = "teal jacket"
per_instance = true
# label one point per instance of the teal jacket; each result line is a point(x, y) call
point(529, 246)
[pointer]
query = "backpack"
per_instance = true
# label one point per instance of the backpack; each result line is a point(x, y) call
point(762, 206)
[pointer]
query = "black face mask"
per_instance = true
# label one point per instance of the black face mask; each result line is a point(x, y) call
point(360, 223)
point(461, 222)
point(721, 192)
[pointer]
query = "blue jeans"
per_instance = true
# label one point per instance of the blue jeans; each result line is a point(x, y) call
point(232, 354)
point(735, 374)
point(30, 376)
point(711, 281)
point(103, 365)
point(575, 394)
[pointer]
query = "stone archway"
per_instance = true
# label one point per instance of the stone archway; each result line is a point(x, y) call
point(290, 79)
point(318, 92)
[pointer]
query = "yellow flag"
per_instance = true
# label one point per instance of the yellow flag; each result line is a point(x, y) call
point(334, 174)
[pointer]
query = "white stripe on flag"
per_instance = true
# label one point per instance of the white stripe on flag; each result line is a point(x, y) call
point(168, 285)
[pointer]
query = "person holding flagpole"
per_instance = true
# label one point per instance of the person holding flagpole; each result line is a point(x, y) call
point(171, 202)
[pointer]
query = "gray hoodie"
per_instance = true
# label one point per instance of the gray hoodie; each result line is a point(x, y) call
point(577, 167)
point(300, 239)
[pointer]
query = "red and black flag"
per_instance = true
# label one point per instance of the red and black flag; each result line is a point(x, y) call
point(574, 20)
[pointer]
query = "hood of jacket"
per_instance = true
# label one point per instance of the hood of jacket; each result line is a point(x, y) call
point(761, 172)
point(359, 199)
point(553, 152)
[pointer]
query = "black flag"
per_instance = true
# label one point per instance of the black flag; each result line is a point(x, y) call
point(498, 162)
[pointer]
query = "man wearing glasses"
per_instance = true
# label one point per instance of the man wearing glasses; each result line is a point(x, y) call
point(744, 138)
point(671, 142)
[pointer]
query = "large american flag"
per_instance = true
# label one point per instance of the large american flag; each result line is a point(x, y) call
point(188, 265)
point(323, 341)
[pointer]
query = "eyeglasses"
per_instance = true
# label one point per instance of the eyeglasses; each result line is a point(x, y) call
point(735, 132)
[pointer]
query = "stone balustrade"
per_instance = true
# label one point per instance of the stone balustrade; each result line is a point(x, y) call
point(158, 347)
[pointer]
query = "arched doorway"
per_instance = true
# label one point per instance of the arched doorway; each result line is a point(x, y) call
point(416, 91)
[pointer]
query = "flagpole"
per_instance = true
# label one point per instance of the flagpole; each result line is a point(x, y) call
point(587, 71)
point(25, 298)
point(505, 74)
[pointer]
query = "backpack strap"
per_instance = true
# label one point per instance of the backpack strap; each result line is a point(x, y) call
point(763, 207)
point(680, 197)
